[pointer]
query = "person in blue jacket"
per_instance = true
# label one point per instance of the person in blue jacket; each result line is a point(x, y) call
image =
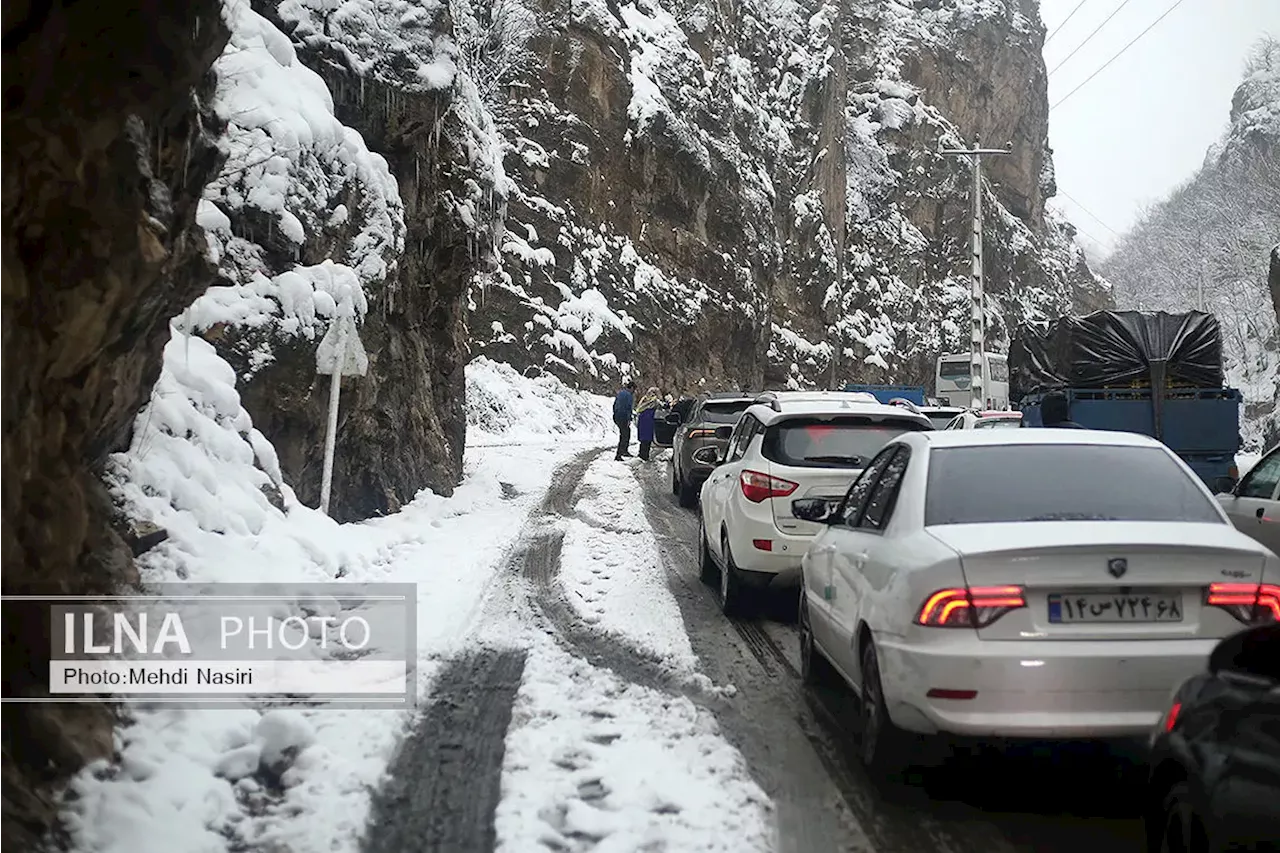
point(646, 411)
point(622, 404)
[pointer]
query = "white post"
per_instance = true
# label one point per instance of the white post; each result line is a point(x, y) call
point(331, 435)
point(977, 314)
point(978, 324)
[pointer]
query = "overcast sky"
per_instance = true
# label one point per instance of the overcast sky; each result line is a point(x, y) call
point(1142, 126)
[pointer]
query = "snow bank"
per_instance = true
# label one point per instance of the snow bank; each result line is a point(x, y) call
point(613, 572)
point(195, 780)
point(503, 407)
point(595, 763)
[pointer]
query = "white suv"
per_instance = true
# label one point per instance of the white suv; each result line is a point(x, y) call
point(785, 446)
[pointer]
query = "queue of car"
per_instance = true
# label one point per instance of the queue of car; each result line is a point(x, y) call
point(975, 582)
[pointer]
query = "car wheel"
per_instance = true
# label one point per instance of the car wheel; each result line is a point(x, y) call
point(687, 493)
point(883, 745)
point(708, 571)
point(1180, 832)
point(675, 479)
point(731, 592)
point(815, 669)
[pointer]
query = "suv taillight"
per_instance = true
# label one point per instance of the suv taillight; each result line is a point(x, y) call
point(1251, 603)
point(757, 487)
point(969, 607)
point(701, 433)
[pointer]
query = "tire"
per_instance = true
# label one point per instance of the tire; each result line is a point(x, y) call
point(708, 571)
point(687, 494)
point(815, 669)
point(675, 479)
point(1179, 831)
point(731, 594)
point(883, 746)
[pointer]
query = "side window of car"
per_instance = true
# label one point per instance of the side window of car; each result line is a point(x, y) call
point(738, 441)
point(885, 495)
point(856, 498)
point(1261, 481)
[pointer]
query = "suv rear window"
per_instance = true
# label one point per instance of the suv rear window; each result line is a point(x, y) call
point(1060, 482)
point(724, 413)
point(845, 442)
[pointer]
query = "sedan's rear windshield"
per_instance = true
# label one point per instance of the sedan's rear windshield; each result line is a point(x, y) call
point(999, 423)
point(1060, 482)
point(724, 413)
point(847, 442)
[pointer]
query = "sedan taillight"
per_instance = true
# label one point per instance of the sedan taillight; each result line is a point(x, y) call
point(1251, 603)
point(969, 607)
point(757, 487)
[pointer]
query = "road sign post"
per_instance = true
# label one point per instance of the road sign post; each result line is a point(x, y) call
point(340, 354)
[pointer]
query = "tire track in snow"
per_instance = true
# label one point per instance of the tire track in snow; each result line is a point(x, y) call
point(445, 780)
point(537, 557)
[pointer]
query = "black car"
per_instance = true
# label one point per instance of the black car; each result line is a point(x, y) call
point(697, 431)
point(1215, 757)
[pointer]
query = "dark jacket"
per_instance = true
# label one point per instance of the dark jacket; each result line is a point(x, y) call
point(622, 405)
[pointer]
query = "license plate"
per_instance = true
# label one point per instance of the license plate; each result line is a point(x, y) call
point(1107, 607)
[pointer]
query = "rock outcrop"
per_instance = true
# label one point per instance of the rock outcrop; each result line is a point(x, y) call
point(108, 144)
point(753, 193)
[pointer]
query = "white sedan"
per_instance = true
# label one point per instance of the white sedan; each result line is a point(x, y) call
point(1044, 583)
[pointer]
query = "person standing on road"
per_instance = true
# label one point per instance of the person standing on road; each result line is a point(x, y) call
point(1055, 412)
point(622, 404)
point(646, 411)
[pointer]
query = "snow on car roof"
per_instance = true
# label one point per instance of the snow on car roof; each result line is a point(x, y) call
point(1035, 435)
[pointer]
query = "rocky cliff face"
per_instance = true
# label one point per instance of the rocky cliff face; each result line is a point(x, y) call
point(1212, 243)
point(308, 222)
point(107, 147)
point(753, 193)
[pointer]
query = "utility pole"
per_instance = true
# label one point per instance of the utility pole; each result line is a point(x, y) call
point(978, 331)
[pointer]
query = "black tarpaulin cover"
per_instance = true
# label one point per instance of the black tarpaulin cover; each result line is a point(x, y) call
point(1110, 348)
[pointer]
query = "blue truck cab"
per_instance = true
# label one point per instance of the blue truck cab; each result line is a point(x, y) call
point(886, 393)
point(1201, 425)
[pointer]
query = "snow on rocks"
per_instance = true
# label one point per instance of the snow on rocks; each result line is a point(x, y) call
point(594, 763)
point(291, 160)
point(505, 407)
point(612, 570)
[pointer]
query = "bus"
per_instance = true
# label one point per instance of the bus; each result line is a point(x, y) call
point(952, 380)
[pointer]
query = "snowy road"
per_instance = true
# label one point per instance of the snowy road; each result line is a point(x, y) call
point(563, 727)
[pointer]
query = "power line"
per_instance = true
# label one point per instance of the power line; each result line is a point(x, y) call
point(1064, 21)
point(1089, 37)
point(1091, 214)
point(1117, 56)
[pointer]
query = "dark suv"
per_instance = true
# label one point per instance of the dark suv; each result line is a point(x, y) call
point(696, 431)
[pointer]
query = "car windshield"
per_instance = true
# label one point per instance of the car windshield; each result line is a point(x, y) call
point(847, 442)
point(724, 412)
point(999, 423)
point(1061, 482)
point(940, 421)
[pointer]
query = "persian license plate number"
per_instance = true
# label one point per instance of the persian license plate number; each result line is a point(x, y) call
point(1065, 608)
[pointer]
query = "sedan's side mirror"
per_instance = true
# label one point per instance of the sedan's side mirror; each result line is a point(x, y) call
point(1224, 485)
point(813, 509)
point(724, 433)
point(708, 456)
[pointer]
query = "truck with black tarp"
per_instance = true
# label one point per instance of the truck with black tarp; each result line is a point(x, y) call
point(1153, 373)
